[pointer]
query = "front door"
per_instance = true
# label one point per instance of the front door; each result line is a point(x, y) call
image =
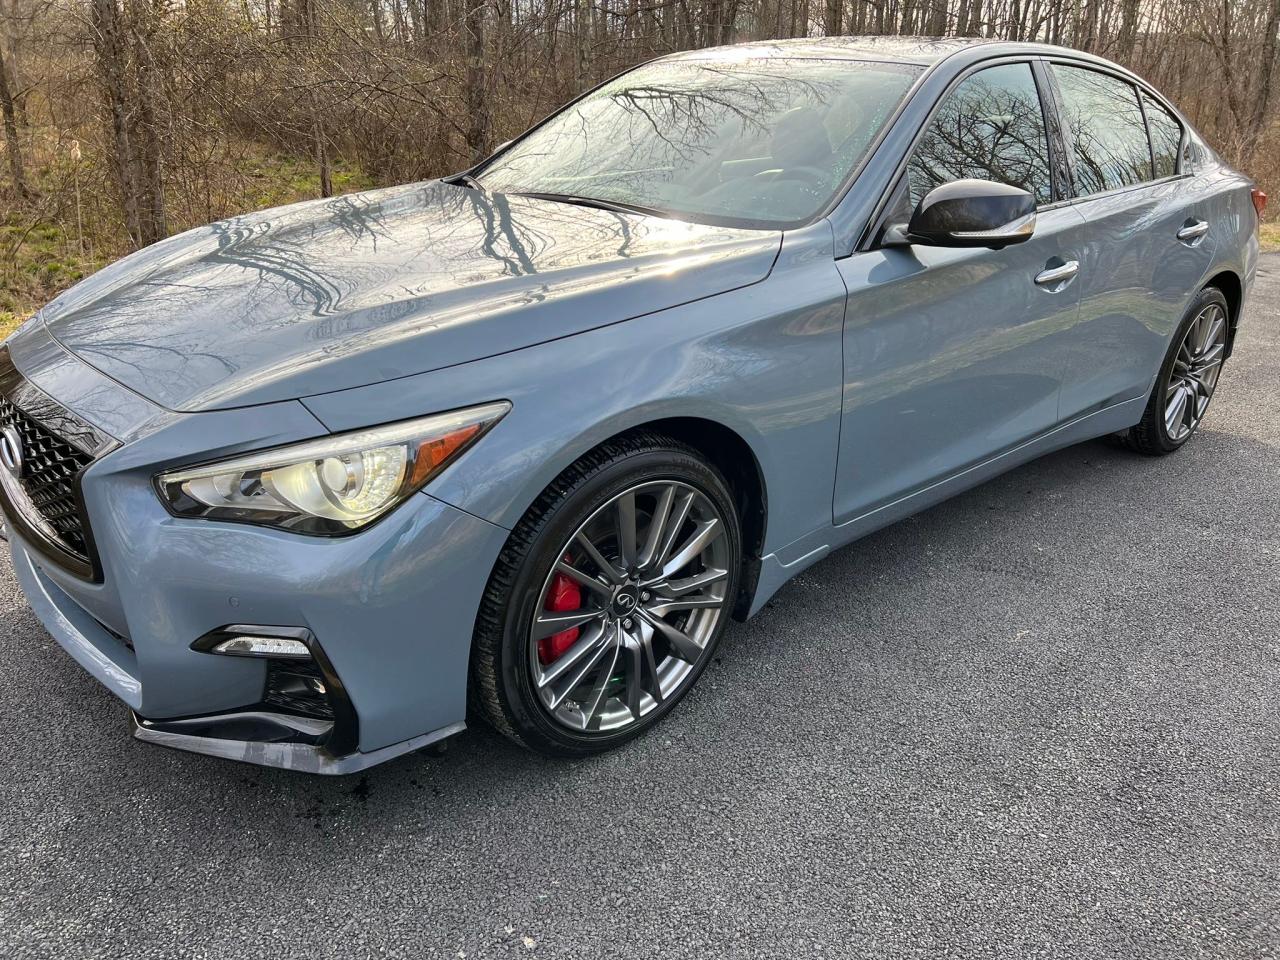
point(951, 355)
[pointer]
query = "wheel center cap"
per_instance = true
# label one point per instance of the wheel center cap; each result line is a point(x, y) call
point(626, 600)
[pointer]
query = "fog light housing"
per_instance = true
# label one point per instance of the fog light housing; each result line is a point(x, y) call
point(299, 681)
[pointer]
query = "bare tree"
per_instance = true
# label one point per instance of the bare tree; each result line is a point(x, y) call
point(182, 108)
point(12, 145)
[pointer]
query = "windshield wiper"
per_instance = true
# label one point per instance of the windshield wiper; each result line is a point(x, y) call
point(466, 180)
point(615, 205)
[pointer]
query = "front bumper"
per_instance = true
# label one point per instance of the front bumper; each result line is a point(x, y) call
point(392, 607)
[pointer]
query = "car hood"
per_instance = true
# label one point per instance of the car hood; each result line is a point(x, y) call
point(338, 293)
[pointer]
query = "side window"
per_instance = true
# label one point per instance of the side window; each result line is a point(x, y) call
point(991, 127)
point(1166, 137)
point(1110, 139)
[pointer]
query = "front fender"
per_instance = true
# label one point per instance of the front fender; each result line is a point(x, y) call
point(763, 361)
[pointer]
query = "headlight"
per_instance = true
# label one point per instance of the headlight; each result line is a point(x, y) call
point(333, 485)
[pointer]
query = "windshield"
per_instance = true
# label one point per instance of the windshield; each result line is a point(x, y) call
point(761, 142)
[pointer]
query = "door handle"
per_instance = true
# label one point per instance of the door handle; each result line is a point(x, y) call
point(1058, 275)
point(1193, 231)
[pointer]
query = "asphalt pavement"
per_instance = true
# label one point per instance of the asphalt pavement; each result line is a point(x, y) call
point(1040, 720)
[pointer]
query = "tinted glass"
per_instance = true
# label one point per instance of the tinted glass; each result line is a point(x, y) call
point(758, 141)
point(1166, 137)
point(990, 127)
point(1110, 139)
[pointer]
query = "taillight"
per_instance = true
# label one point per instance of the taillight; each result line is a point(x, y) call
point(1259, 201)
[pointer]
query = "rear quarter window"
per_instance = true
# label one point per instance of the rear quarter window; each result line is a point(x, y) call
point(1166, 137)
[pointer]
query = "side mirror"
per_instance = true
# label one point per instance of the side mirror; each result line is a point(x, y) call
point(973, 213)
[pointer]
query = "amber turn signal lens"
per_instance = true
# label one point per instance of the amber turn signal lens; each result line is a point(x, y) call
point(436, 452)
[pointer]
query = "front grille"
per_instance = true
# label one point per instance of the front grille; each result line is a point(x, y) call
point(49, 468)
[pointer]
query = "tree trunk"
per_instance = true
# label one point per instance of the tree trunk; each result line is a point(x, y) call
point(477, 99)
point(1266, 82)
point(12, 147)
point(1128, 29)
point(831, 20)
point(112, 63)
point(152, 221)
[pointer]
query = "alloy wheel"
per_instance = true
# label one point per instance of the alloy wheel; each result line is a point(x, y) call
point(1195, 372)
point(627, 612)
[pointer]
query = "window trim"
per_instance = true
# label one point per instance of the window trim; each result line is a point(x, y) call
point(876, 223)
point(1183, 133)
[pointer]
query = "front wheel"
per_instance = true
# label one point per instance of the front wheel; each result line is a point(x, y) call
point(609, 598)
point(1187, 378)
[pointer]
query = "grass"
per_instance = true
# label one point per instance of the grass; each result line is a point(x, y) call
point(1269, 234)
point(42, 254)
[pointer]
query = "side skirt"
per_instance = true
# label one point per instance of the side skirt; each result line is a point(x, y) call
point(779, 567)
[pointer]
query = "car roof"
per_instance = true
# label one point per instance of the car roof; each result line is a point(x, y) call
point(925, 51)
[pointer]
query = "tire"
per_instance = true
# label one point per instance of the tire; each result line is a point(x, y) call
point(1153, 435)
point(509, 655)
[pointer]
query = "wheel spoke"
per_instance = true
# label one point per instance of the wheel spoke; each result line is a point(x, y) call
point(627, 529)
point(662, 608)
point(1175, 409)
point(546, 623)
point(1200, 385)
point(682, 645)
point(657, 526)
point(582, 648)
point(1195, 336)
point(597, 698)
point(607, 568)
point(703, 536)
point(675, 524)
point(678, 588)
point(1213, 358)
point(1211, 338)
point(588, 581)
point(650, 664)
point(593, 663)
point(634, 667)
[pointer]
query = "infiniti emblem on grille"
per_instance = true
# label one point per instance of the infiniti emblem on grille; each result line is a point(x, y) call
point(11, 450)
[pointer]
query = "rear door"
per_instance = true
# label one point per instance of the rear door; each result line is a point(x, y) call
point(1149, 241)
point(948, 353)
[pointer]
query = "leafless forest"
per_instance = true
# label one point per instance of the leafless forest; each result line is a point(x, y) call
point(127, 120)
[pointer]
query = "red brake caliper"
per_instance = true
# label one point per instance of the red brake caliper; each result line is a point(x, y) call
point(564, 594)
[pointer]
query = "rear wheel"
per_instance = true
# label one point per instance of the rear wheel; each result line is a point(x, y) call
point(608, 599)
point(1187, 379)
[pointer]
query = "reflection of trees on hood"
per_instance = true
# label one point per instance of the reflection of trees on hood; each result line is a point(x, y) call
point(276, 259)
